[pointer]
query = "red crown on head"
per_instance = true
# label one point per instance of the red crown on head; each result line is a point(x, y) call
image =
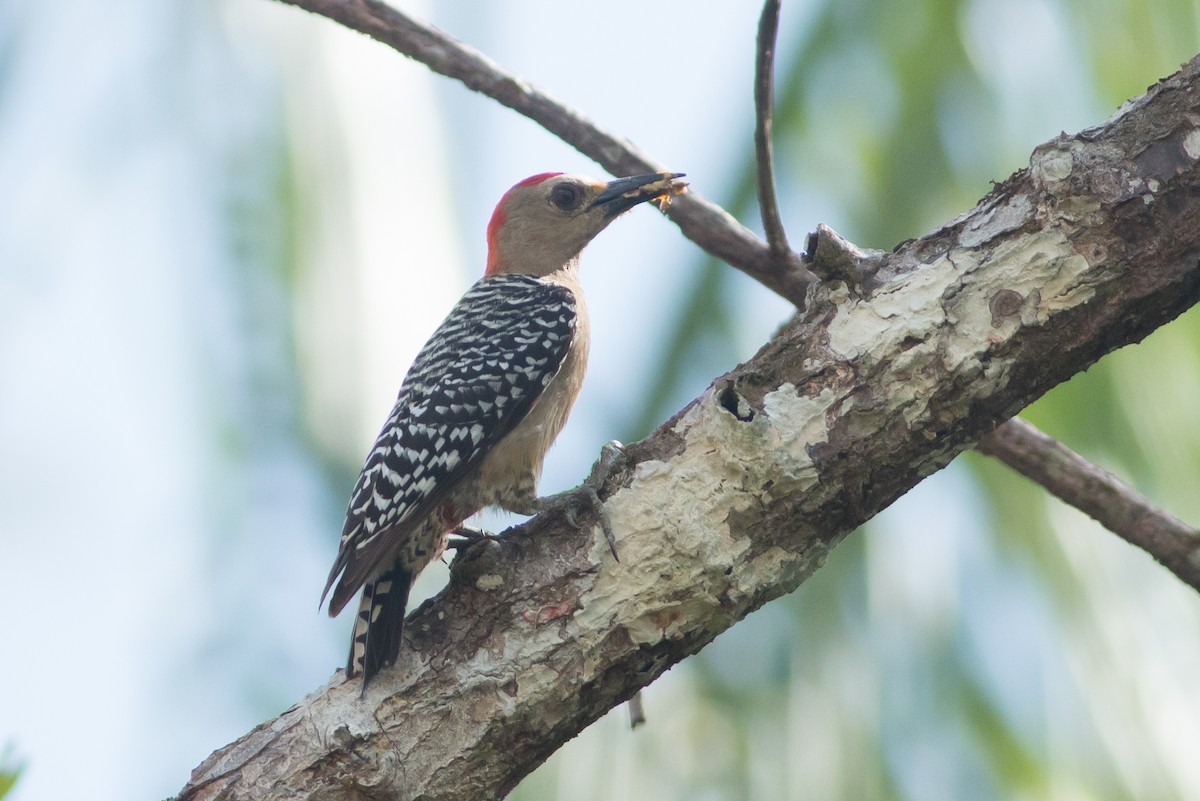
point(493, 227)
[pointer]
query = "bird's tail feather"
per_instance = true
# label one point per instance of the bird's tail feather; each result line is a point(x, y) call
point(379, 623)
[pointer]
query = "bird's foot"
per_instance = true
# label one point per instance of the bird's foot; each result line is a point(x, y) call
point(586, 496)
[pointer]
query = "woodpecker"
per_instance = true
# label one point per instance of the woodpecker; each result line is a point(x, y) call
point(482, 402)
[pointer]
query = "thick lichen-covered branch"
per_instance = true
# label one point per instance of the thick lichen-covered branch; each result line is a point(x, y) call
point(739, 497)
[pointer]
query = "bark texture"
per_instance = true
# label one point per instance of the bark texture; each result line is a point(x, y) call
point(738, 498)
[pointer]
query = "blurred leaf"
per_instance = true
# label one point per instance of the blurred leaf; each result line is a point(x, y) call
point(1015, 766)
point(10, 769)
point(1130, 44)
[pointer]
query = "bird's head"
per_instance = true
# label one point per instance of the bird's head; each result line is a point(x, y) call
point(543, 222)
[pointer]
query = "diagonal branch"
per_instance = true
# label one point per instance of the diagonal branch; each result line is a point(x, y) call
point(1099, 494)
point(703, 222)
point(739, 498)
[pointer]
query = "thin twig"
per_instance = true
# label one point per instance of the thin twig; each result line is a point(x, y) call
point(703, 222)
point(764, 92)
point(1098, 494)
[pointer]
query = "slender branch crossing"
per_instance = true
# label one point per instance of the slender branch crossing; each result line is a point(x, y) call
point(1099, 494)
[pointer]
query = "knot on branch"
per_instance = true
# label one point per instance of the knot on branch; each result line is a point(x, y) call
point(832, 257)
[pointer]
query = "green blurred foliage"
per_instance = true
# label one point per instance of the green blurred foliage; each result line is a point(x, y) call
point(10, 769)
point(1027, 678)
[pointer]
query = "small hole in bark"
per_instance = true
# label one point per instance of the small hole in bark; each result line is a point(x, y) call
point(735, 404)
point(908, 343)
point(729, 570)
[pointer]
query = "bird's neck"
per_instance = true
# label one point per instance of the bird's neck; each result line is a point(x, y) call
point(568, 272)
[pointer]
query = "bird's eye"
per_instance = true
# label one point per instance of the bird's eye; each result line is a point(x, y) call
point(566, 196)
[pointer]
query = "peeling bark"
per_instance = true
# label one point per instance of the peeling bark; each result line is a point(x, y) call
point(738, 498)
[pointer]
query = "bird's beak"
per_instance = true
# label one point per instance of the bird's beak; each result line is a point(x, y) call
point(625, 193)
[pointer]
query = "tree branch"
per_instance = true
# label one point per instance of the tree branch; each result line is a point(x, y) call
point(739, 497)
point(703, 222)
point(1099, 494)
point(764, 89)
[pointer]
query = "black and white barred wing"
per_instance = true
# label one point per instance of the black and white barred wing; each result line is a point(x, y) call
point(473, 381)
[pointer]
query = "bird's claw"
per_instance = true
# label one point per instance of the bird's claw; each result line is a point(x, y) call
point(587, 494)
point(611, 453)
